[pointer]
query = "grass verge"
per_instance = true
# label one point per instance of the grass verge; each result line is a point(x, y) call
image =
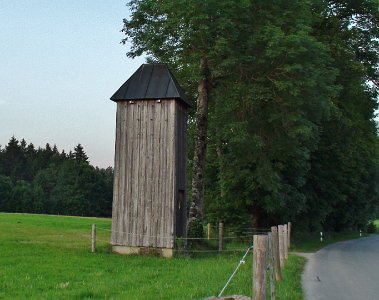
point(290, 287)
point(306, 242)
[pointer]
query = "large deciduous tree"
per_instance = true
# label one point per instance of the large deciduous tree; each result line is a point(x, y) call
point(285, 90)
point(187, 35)
point(342, 186)
point(279, 91)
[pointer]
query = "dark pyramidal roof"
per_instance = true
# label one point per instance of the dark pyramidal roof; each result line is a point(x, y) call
point(150, 81)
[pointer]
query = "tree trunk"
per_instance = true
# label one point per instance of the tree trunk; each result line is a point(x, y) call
point(196, 209)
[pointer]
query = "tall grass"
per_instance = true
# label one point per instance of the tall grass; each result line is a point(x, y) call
point(290, 288)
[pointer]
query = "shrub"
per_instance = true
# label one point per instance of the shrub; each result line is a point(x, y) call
point(371, 228)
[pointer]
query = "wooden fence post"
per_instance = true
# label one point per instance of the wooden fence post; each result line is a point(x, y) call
point(93, 237)
point(209, 231)
point(289, 234)
point(285, 241)
point(272, 265)
point(260, 267)
point(220, 234)
point(281, 246)
point(275, 246)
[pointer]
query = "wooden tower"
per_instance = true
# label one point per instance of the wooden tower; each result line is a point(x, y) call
point(149, 193)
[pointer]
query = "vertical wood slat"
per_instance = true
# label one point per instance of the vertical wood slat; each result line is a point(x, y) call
point(128, 165)
point(181, 159)
point(166, 208)
point(116, 178)
point(146, 198)
point(150, 185)
point(163, 171)
point(146, 195)
point(143, 199)
point(179, 198)
point(124, 173)
point(285, 241)
point(172, 145)
point(137, 232)
point(135, 169)
point(176, 170)
point(123, 228)
point(281, 246)
point(164, 195)
point(124, 206)
point(157, 176)
point(289, 234)
point(123, 166)
point(141, 177)
point(260, 243)
point(182, 163)
point(272, 265)
point(151, 181)
point(275, 246)
point(159, 170)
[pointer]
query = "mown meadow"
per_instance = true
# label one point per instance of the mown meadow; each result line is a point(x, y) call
point(49, 257)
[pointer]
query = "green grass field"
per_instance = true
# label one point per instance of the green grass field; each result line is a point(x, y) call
point(49, 257)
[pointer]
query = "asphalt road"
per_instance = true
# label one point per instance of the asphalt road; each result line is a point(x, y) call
point(343, 271)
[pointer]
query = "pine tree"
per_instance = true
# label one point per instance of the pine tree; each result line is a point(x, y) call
point(79, 154)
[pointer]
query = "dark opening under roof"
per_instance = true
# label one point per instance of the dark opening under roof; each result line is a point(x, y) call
point(150, 81)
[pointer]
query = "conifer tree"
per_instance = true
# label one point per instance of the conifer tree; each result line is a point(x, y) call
point(79, 155)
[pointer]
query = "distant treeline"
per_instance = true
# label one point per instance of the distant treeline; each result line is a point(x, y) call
point(44, 180)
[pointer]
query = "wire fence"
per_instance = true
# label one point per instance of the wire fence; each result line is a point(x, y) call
point(234, 239)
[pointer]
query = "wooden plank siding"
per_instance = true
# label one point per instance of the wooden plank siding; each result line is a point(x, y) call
point(149, 173)
point(181, 164)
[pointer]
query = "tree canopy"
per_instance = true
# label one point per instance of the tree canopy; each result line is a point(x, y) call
point(292, 98)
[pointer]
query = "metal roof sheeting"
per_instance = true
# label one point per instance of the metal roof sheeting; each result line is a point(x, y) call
point(150, 81)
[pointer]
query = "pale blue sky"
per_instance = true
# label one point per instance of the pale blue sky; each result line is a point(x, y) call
point(60, 62)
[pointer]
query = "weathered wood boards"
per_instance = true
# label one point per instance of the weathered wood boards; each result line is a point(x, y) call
point(260, 267)
point(149, 200)
point(273, 249)
point(281, 246)
point(275, 246)
point(289, 235)
point(272, 265)
point(285, 241)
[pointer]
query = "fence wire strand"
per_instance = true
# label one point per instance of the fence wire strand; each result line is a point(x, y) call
point(238, 237)
point(241, 262)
